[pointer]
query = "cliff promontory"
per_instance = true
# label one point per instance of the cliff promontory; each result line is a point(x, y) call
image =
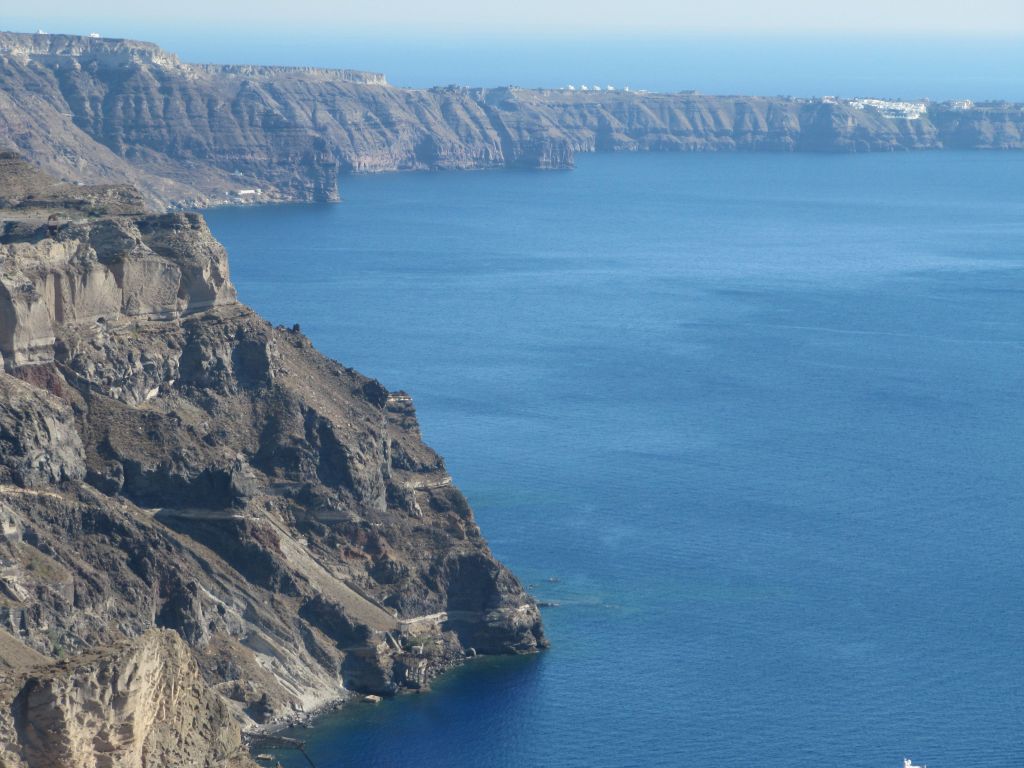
point(204, 523)
point(193, 135)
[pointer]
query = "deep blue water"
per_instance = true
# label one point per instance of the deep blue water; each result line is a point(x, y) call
point(760, 415)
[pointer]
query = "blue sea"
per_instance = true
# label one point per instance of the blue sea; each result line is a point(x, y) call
point(754, 422)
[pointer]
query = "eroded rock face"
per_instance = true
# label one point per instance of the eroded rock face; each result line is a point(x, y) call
point(168, 459)
point(102, 271)
point(202, 135)
point(137, 703)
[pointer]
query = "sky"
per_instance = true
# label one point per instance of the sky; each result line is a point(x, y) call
point(939, 49)
point(558, 17)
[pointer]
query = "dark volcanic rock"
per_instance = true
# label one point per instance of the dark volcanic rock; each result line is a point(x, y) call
point(39, 444)
point(170, 460)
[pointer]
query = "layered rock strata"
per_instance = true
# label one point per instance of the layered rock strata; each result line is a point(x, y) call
point(124, 111)
point(169, 460)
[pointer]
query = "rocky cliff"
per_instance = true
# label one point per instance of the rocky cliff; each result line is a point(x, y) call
point(128, 112)
point(169, 460)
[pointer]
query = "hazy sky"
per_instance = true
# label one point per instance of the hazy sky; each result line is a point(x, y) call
point(940, 49)
point(548, 17)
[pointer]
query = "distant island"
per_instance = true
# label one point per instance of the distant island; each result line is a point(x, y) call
point(104, 110)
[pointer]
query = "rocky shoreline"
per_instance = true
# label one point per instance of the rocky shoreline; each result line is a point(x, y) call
point(202, 519)
point(310, 717)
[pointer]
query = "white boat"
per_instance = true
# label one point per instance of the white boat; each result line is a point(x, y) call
point(908, 764)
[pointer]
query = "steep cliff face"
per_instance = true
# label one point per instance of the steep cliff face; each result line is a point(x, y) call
point(168, 459)
point(604, 121)
point(114, 110)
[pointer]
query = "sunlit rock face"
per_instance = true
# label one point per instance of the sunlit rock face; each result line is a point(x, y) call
point(136, 703)
point(156, 267)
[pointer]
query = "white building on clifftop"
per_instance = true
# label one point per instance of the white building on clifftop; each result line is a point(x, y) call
point(908, 110)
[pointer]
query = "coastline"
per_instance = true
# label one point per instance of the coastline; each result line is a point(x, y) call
point(323, 123)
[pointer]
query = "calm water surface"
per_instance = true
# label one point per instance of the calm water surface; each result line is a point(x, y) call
point(754, 421)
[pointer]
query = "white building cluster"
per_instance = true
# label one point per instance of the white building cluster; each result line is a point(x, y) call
point(593, 88)
point(908, 110)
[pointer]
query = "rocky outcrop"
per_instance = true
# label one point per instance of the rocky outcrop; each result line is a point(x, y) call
point(115, 110)
point(103, 272)
point(39, 442)
point(137, 703)
point(168, 459)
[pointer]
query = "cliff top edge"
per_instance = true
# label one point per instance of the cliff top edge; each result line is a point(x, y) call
point(42, 46)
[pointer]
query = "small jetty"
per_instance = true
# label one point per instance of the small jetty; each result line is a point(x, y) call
point(254, 740)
